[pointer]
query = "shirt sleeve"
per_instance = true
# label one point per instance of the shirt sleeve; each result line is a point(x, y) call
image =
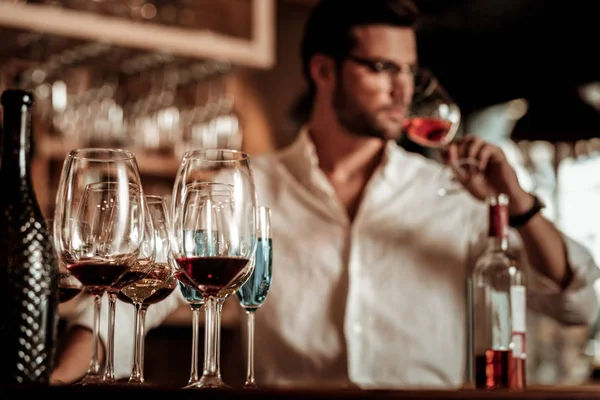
point(83, 315)
point(576, 304)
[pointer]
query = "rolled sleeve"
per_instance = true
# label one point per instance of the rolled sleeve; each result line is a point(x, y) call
point(577, 304)
point(83, 315)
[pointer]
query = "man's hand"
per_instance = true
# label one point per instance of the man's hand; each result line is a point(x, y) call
point(490, 172)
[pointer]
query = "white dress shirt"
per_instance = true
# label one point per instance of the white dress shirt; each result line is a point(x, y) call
point(379, 302)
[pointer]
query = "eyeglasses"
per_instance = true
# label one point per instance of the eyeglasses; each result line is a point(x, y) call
point(384, 66)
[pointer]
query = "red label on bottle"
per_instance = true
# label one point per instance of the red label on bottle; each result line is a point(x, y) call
point(498, 220)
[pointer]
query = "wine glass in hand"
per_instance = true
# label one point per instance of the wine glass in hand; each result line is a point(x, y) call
point(433, 122)
point(254, 292)
point(95, 230)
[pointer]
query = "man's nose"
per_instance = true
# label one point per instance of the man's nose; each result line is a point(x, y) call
point(403, 87)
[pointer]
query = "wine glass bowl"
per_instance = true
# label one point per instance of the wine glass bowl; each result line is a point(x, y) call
point(434, 117)
point(433, 122)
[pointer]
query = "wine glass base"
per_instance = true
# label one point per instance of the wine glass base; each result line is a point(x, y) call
point(91, 380)
point(250, 385)
point(208, 382)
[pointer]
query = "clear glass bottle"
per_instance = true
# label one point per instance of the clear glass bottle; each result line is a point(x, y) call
point(498, 301)
point(28, 266)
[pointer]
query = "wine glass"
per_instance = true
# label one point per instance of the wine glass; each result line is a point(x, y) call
point(254, 292)
point(196, 300)
point(98, 233)
point(136, 273)
point(157, 266)
point(219, 263)
point(433, 122)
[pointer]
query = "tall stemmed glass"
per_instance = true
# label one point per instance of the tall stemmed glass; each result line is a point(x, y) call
point(196, 300)
point(157, 272)
point(219, 263)
point(138, 272)
point(98, 233)
point(254, 292)
point(433, 122)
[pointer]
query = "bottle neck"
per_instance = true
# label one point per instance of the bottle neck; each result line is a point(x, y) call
point(498, 225)
point(16, 142)
point(497, 244)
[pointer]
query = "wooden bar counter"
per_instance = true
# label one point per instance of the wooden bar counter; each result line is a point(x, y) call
point(164, 393)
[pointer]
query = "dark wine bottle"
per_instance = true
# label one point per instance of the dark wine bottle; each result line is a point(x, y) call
point(28, 265)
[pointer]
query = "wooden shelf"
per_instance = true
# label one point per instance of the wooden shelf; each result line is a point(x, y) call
point(52, 148)
point(257, 51)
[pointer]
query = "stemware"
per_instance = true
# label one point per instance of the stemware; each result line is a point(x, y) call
point(196, 301)
point(214, 228)
point(254, 292)
point(157, 267)
point(98, 233)
point(136, 273)
point(433, 122)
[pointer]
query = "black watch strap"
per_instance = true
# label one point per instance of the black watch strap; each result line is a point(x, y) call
point(520, 220)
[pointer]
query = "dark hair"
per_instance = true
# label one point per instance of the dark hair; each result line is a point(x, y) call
point(329, 31)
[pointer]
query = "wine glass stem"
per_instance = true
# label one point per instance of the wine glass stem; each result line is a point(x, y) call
point(250, 381)
point(194, 376)
point(137, 372)
point(109, 367)
point(94, 368)
point(211, 365)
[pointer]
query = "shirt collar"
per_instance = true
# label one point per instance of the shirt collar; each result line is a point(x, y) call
point(302, 161)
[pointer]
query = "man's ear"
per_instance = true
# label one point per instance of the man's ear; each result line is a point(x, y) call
point(322, 70)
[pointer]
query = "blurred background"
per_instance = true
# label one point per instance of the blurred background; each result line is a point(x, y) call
point(160, 77)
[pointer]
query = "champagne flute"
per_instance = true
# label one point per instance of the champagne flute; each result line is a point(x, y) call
point(158, 266)
point(433, 122)
point(254, 292)
point(220, 263)
point(98, 237)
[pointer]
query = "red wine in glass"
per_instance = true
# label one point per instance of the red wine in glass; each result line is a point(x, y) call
point(66, 293)
point(426, 131)
point(97, 276)
point(212, 274)
point(493, 369)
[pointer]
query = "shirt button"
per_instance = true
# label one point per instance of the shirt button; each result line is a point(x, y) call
point(357, 328)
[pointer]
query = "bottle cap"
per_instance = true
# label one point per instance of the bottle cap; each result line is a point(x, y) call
point(16, 97)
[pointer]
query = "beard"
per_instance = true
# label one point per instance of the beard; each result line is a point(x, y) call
point(359, 121)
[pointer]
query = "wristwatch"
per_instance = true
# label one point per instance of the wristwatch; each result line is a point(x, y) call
point(520, 220)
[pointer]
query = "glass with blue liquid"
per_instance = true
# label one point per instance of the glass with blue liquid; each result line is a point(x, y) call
point(254, 292)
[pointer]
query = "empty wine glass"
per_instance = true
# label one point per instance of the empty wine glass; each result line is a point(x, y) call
point(215, 236)
point(433, 122)
point(254, 292)
point(98, 233)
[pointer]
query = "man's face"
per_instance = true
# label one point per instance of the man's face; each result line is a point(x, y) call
point(375, 85)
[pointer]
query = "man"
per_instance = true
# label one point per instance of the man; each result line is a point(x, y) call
point(370, 263)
